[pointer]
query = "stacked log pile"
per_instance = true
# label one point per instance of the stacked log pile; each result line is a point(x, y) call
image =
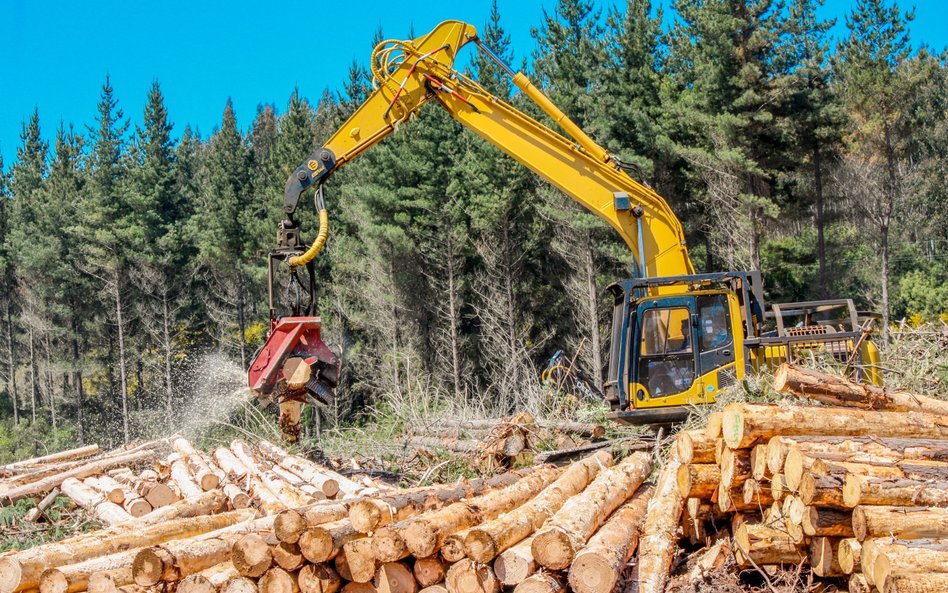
point(856, 489)
point(541, 529)
point(503, 442)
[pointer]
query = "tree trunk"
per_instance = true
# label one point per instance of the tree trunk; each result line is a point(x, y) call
point(916, 583)
point(241, 322)
point(75, 577)
point(592, 312)
point(177, 559)
point(515, 564)
point(484, 542)
point(840, 391)
point(11, 366)
point(33, 386)
point(865, 490)
point(454, 314)
point(745, 424)
point(909, 557)
point(657, 544)
point(77, 378)
point(82, 471)
point(36, 512)
point(290, 524)
point(106, 486)
point(206, 504)
point(67, 455)
point(123, 371)
point(428, 571)
point(360, 559)
point(205, 476)
point(251, 556)
point(468, 577)
point(318, 578)
point(903, 522)
point(104, 510)
point(819, 522)
point(819, 218)
point(597, 568)
point(564, 534)
point(694, 446)
point(166, 344)
point(824, 558)
point(323, 542)
point(822, 491)
point(182, 478)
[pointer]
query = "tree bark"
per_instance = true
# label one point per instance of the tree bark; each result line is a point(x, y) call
point(484, 542)
point(67, 455)
point(820, 522)
point(745, 424)
point(657, 543)
point(903, 522)
point(36, 512)
point(916, 583)
point(290, 524)
point(822, 491)
point(597, 568)
point(865, 490)
point(909, 557)
point(11, 366)
point(123, 373)
point(565, 534)
point(840, 391)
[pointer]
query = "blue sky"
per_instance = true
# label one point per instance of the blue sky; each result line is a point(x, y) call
point(55, 55)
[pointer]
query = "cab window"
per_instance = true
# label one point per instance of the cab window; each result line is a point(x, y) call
point(714, 322)
point(666, 363)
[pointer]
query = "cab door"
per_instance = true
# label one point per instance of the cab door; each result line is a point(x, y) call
point(716, 346)
point(665, 359)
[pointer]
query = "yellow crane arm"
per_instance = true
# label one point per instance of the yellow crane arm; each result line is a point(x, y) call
point(408, 74)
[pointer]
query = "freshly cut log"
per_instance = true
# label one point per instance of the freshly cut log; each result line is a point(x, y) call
point(839, 391)
point(287, 556)
point(154, 492)
point(290, 524)
point(871, 548)
point(341, 564)
point(756, 493)
point(515, 564)
point(822, 491)
point(323, 542)
point(465, 447)
point(597, 568)
point(307, 470)
point(21, 570)
point(564, 534)
point(657, 543)
point(75, 577)
point(466, 576)
point(107, 487)
point(251, 556)
point(277, 580)
point(693, 517)
point(318, 578)
point(902, 522)
point(439, 588)
point(713, 426)
point(744, 424)
point(735, 466)
point(778, 486)
point(182, 478)
point(236, 469)
point(239, 585)
point(297, 482)
point(175, 560)
point(758, 460)
point(798, 463)
point(38, 511)
point(369, 514)
point(395, 577)
point(288, 496)
point(824, 522)
point(731, 500)
point(67, 455)
point(423, 535)
point(77, 473)
point(916, 583)
point(823, 557)
point(206, 478)
point(208, 503)
point(848, 555)
point(748, 535)
point(428, 571)
point(857, 584)
point(452, 549)
point(910, 557)
point(694, 446)
point(879, 491)
point(698, 480)
point(763, 545)
point(484, 542)
point(218, 575)
point(136, 506)
point(237, 497)
point(195, 583)
point(360, 559)
point(367, 588)
point(543, 582)
point(95, 503)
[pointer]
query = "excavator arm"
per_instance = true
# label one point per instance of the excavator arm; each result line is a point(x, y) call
point(409, 74)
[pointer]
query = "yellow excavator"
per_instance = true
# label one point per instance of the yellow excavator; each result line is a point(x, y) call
point(678, 337)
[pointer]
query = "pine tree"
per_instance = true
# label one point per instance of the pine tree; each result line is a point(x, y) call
point(7, 286)
point(876, 91)
point(26, 186)
point(104, 223)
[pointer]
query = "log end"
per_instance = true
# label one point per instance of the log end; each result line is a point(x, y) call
point(365, 515)
point(553, 549)
point(148, 567)
point(330, 487)
point(251, 556)
point(287, 526)
point(591, 573)
point(780, 378)
point(732, 428)
point(239, 585)
point(195, 583)
point(421, 539)
point(11, 573)
point(101, 582)
point(318, 578)
point(276, 580)
point(138, 507)
point(479, 546)
point(394, 577)
point(852, 490)
point(53, 581)
point(452, 549)
point(316, 544)
point(388, 546)
point(208, 481)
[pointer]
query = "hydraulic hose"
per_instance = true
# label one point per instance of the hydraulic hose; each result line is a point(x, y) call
point(318, 243)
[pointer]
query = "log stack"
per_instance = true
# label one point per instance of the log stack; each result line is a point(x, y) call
point(539, 529)
point(856, 488)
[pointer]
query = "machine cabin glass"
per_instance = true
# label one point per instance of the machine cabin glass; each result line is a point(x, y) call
point(715, 335)
point(666, 350)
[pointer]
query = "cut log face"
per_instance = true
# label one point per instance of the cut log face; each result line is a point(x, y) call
point(848, 554)
point(694, 446)
point(360, 559)
point(541, 583)
point(323, 542)
point(515, 564)
point(469, 577)
point(823, 557)
point(428, 571)
point(318, 578)
point(395, 577)
point(251, 556)
point(698, 480)
point(909, 557)
point(277, 580)
point(287, 556)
